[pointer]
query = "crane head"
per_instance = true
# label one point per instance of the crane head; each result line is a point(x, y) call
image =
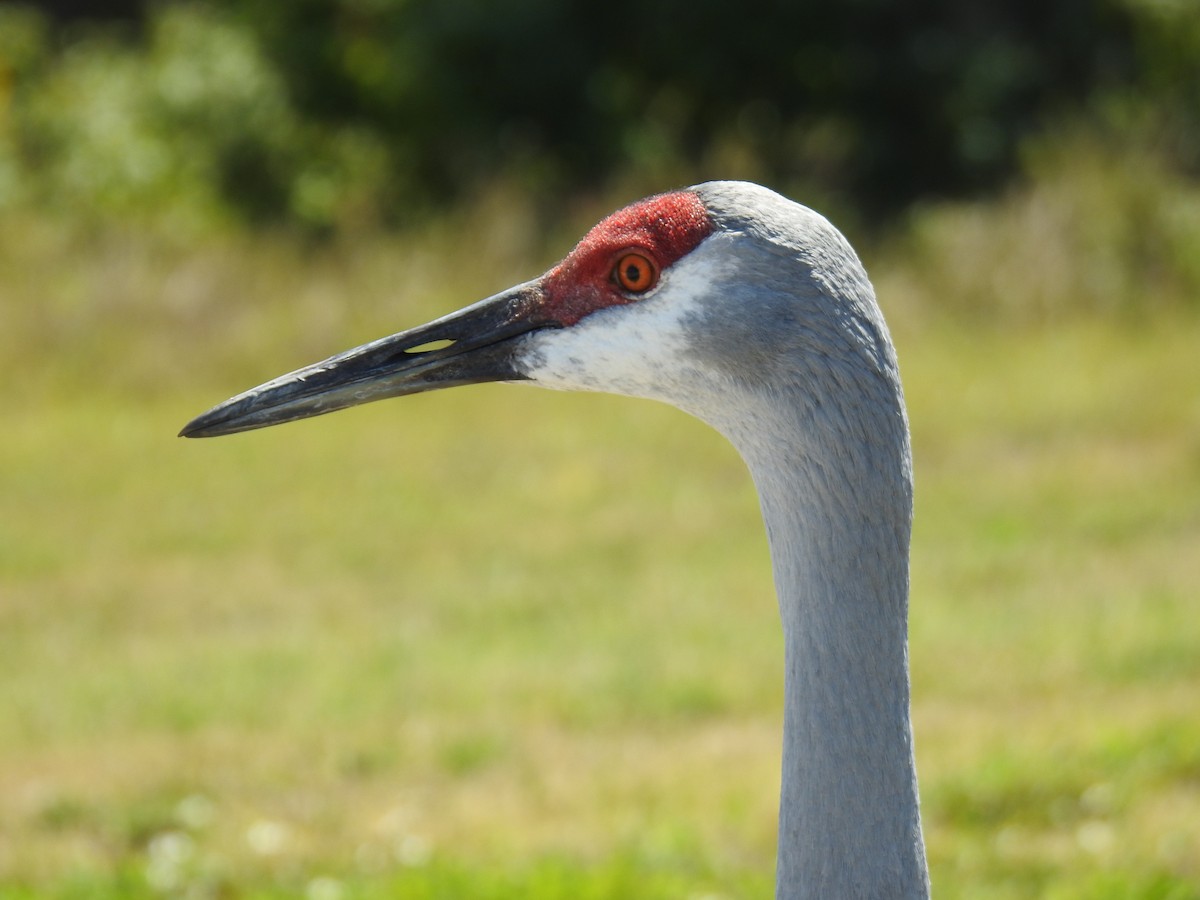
point(692, 297)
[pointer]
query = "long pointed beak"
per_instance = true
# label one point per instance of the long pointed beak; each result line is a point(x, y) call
point(481, 347)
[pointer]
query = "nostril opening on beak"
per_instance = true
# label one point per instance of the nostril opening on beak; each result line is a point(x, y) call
point(400, 356)
point(430, 346)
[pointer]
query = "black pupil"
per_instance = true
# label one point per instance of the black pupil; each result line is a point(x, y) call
point(632, 273)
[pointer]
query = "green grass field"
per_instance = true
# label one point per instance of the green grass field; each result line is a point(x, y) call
point(501, 643)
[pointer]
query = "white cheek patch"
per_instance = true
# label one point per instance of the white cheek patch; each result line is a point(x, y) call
point(638, 349)
point(622, 350)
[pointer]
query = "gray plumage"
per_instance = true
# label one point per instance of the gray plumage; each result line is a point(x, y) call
point(768, 330)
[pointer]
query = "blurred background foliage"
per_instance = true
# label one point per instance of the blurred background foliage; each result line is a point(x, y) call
point(343, 113)
point(1079, 123)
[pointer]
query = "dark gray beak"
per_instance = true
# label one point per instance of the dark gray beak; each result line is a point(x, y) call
point(482, 347)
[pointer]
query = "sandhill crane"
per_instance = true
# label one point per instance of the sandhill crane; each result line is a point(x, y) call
point(754, 314)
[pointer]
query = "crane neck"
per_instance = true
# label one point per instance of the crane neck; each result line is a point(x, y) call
point(838, 512)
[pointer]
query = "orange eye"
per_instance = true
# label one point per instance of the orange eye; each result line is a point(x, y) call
point(635, 273)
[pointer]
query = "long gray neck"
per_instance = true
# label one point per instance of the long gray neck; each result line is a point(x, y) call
point(837, 507)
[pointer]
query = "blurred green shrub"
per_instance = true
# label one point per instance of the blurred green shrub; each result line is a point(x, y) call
point(1098, 223)
point(23, 48)
point(192, 126)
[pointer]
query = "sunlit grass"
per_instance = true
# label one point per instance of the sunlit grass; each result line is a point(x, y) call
point(499, 642)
